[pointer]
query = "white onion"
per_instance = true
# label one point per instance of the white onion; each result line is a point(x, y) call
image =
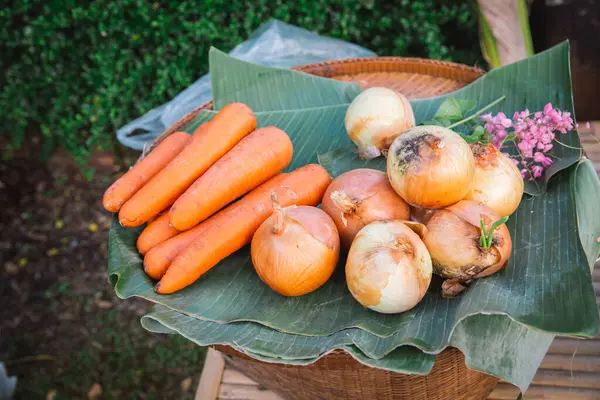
point(497, 183)
point(388, 268)
point(375, 118)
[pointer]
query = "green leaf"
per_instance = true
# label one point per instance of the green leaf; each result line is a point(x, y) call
point(545, 248)
point(535, 252)
point(548, 275)
point(478, 132)
point(490, 235)
point(587, 187)
point(482, 238)
point(230, 77)
point(477, 135)
point(491, 343)
point(435, 122)
point(454, 110)
point(250, 337)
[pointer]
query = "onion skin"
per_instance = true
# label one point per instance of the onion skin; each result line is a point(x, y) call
point(301, 256)
point(388, 268)
point(375, 118)
point(431, 167)
point(452, 238)
point(363, 196)
point(421, 215)
point(497, 183)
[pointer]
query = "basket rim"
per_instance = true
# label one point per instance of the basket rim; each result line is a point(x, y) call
point(393, 60)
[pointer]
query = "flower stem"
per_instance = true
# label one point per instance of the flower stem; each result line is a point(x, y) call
point(567, 146)
point(478, 113)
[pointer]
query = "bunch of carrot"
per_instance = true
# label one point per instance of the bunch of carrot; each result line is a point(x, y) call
point(186, 188)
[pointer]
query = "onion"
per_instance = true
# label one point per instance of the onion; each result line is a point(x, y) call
point(497, 183)
point(420, 215)
point(359, 197)
point(430, 167)
point(375, 118)
point(295, 250)
point(388, 268)
point(454, 240)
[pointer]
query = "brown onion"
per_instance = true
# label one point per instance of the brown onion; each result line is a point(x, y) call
point(430, 167)
point(359, 197)
point(388, 268)
point(454, 242)
point(295, 250)
point(421, 215)
point(497, 183)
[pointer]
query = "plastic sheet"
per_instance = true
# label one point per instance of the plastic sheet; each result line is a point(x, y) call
point(7, 384)
point(275, 44)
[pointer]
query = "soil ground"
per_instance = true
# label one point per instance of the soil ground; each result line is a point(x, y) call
point(63, 331)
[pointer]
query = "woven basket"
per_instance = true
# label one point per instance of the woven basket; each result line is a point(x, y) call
point(338, 375)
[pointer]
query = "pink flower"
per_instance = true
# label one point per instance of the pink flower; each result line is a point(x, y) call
point(538, 157)
point(547, 162)
point(498, 118)
point(546, 138)
point(501, 134)
point(522, 146)
point(486, 117)
point(514, 160)
point(532, 134)
point(523, 173)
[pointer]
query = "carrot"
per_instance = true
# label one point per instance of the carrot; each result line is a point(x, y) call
point(254, 160)
point(210, 142)
point(236, 224)
point(155, 233)
point(127, 185)
point(157, 260)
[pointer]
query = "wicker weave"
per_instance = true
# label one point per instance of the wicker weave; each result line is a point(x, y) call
point(338, 375)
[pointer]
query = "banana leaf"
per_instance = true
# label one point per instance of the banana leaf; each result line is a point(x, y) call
point(547, 278)
point(258, 340)
point(491, 343)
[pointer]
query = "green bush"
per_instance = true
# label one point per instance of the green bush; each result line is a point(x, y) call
point(79, 69)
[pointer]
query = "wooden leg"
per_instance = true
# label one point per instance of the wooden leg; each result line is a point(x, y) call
point(208, 388)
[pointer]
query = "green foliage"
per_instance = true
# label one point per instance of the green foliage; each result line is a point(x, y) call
point(77, 70)
point(123, 358)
